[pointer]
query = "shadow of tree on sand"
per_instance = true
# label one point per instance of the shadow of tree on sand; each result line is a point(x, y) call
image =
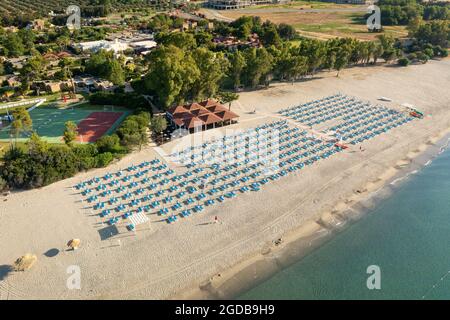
point(4, 271)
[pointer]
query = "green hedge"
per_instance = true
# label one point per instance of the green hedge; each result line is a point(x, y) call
point(129, 100)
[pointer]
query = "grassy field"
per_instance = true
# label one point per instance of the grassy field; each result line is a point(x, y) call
point(305, 4)
point(318, 19)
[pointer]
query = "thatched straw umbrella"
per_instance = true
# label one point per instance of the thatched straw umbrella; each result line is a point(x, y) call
point(74, 244)
point(25, 262)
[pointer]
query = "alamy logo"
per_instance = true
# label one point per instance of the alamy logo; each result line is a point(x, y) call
point(74, 19)
point(74, 280)
point(374, 20)
point(374, 280)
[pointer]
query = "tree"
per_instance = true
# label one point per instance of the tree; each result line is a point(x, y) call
point(243, 31)
point(116, 73)
point(203, 38)
point(316, 53)
point(228, 97)
point(13, 45)
point(435, 33)
point(342, 57)
point(237, 65)
point(103, 64)
point(108, 144)
point(377, 52)
point(16, 128)
point(270, 36)
point(387, 43)
point(286, 31)
point(297, 66)
point(21, 114)
point(63, 42)
point(133, 131)
point(33, 68)
point(159, 124)
point(70, 132)
point(370, 51)
point(28, 37)
point(171, 74)
point(37, 148)
point(181, 40)
point(212, 67)
point(259, 64)
point(330, 59)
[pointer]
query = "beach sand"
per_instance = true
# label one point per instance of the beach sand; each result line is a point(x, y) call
point(195, 258)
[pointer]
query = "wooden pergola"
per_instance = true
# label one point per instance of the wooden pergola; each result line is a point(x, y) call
point(205, 115)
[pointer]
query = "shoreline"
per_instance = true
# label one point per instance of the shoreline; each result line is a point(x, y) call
point(298, 243)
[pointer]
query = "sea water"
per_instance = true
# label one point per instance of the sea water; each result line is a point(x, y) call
point(406, 237)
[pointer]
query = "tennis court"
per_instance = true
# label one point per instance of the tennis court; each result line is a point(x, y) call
point(49, 123)
point(96, 125)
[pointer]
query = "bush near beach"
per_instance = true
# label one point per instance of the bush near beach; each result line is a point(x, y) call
point(39, 163)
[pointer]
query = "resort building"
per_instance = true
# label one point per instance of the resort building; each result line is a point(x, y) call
point(91, 84)
point(95, 46)
point(233, 43)
point(120, 42)
point(203, 115)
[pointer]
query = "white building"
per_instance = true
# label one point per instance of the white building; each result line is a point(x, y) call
point(94, 46)
point(143, 46)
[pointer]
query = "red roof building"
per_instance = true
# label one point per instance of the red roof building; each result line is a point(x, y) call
point(204, 115)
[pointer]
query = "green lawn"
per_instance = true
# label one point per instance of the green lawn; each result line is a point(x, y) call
point(327, 27)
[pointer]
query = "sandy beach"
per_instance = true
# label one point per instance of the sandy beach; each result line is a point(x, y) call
point(195, 258)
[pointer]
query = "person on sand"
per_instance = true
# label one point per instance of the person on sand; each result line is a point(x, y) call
point(361, 148)
point(216, 219)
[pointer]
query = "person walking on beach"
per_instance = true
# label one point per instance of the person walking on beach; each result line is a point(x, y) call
point(216, 219)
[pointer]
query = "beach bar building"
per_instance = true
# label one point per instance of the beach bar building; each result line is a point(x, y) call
point(204, 115)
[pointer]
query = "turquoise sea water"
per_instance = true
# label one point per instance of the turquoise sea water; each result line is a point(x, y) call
point(406, 235)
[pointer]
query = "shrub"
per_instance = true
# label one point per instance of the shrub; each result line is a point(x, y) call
point(404, 62)
point(85, 150)
point(129, 100)
point(438, 51)
point(87, 163)
point(422, 57)
point(133, 131)
point(108, 144)
point(103, 159)
point(412, 56)
point(429, 52)
point(3, 184)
